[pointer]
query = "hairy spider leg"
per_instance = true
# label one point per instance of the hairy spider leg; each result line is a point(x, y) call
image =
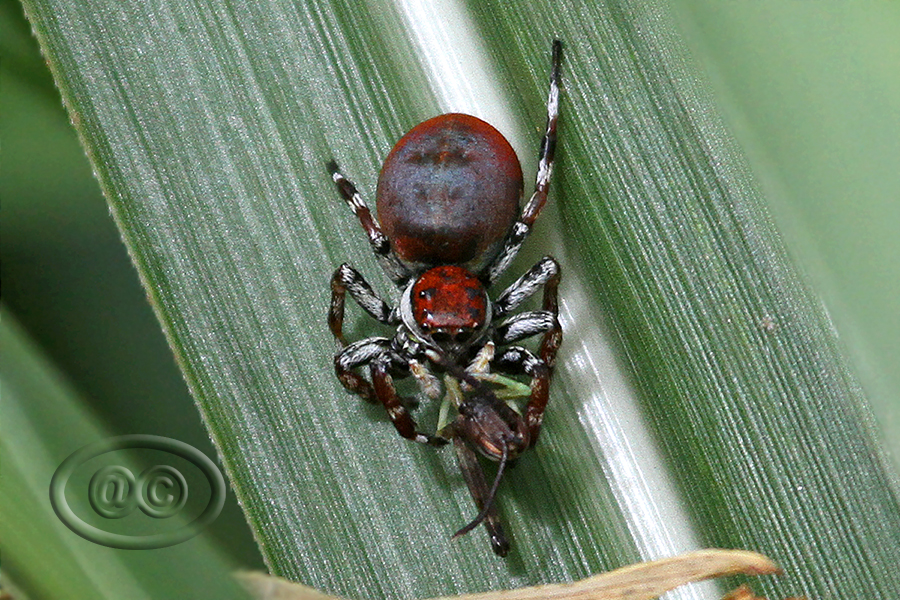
point(376, 352)
point(547, 153)
point(397, 413)
point(355, 355)
point(517, 360)
point(347, 279)
point(381, 245)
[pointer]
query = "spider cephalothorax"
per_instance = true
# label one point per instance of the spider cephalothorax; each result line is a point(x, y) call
point(448, 204)
point(449, 306)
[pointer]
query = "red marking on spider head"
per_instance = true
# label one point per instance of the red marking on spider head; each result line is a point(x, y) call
point(449, 304)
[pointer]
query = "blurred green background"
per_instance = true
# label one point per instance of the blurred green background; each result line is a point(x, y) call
point(68, 279)
point(812, 93)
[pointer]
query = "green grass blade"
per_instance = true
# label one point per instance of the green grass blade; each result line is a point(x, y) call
point(209, 126)
point(763, 423)
point(814, 107)
point(43, 423)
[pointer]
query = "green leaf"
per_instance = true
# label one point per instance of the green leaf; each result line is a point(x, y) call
point(811, 94)
point(43, 421)
point(700, 397)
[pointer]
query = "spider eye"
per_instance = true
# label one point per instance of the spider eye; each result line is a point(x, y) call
point(441, 337)
point(458, 338)
point(463, 336)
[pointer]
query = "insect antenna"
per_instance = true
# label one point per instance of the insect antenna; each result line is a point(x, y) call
point(489, 500)
point(468, 462)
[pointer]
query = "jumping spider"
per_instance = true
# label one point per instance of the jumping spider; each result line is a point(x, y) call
point(448, 203)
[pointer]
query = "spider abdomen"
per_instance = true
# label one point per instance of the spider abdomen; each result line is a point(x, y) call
point(449, 192)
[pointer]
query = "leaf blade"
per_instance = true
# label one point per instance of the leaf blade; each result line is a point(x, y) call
point(212, 213)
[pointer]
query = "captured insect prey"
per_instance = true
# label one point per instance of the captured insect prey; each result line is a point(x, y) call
point(449, 224)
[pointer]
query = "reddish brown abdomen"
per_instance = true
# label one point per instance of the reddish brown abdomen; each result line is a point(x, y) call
point(449, 192)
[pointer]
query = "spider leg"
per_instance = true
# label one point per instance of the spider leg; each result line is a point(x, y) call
point(387, 395)
point(516, 360)
point(525, 325)
point(354, 355)
point(522, 227)
point(381, 245)
point(347, 279)
point(544, 273)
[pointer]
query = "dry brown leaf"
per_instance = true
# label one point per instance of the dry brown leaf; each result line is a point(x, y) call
point(641, 581)
point(263, 586)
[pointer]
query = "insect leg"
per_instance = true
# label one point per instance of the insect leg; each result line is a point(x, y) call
point(482, 496)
